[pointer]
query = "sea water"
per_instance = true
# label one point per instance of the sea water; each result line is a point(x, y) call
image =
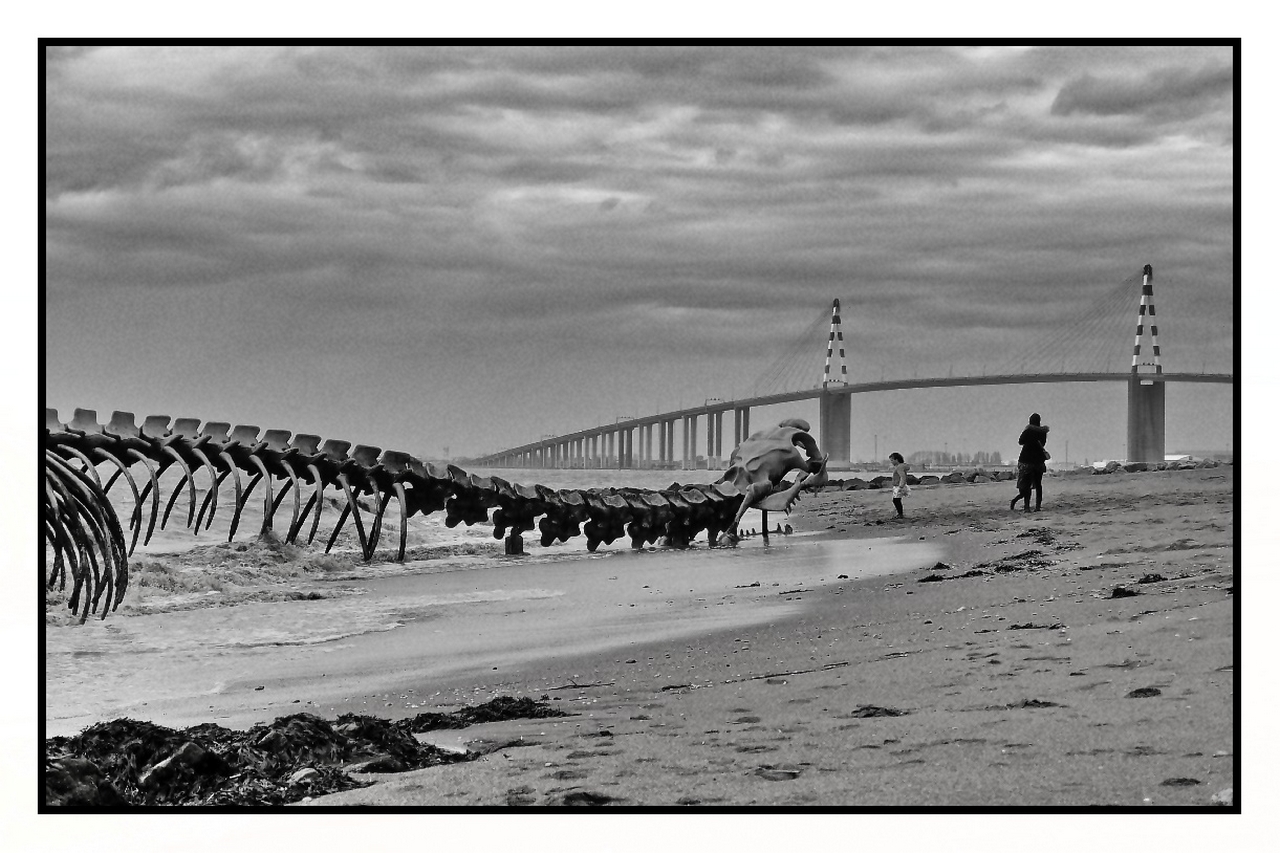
point(296, 617)
point(444, 621)
point(601, 478)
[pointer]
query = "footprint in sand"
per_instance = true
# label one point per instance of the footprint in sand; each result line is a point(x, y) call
point(568, 774)
point(582, 753)
point(1143, 692)
point(780, 773)
point(586, 798)
point(522, 796)
point(877, 711)
point(1180, 782)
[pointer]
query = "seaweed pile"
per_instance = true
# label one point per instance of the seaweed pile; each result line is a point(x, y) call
point(125, 763)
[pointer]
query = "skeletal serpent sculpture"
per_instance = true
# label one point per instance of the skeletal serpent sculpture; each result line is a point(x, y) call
point(83, 529)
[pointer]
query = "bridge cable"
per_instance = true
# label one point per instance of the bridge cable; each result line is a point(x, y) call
point(1097, 331)
point(778, 376)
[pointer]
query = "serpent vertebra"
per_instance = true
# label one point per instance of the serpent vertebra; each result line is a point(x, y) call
point(83, 529)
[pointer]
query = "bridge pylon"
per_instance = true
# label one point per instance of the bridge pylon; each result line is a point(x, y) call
point(1146, 389)
point(835, 411)
point(834, 339)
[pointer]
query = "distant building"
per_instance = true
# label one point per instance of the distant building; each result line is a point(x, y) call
point(1197, 455)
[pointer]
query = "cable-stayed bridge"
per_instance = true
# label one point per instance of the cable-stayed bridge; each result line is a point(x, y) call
point(1088, 342)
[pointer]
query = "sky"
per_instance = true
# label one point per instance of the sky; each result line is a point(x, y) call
point(452, 250)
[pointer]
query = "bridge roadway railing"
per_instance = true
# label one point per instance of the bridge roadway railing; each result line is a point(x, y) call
point(509, 457)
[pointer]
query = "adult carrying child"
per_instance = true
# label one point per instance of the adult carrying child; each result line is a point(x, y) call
point(1031, 464)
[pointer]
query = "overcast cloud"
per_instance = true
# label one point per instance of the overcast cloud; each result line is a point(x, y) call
point(471, 247)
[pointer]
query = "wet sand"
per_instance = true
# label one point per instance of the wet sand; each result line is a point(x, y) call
point(1014, 674)
point(447, 633)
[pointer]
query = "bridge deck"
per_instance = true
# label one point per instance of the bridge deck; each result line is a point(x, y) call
point(853, 388)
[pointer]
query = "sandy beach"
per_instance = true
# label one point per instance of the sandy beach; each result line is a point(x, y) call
point(966, 656)
point(1078, 656)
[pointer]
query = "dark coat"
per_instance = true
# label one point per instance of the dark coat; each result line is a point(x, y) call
point(1032, 441)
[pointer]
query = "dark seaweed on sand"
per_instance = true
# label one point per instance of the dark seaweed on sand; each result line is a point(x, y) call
point(877, 711)
point(127, 762)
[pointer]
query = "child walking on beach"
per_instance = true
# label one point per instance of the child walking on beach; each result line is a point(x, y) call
point(900, 487)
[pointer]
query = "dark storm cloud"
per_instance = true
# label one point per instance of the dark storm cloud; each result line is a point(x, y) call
point(1161, 93)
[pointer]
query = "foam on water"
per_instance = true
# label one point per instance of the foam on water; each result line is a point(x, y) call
point(103, 667)
point(116, 667)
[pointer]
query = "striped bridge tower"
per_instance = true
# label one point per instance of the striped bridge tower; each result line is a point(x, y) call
point(836, 337)
point(1146, 308)
point(835, 410)
point(1146, 389)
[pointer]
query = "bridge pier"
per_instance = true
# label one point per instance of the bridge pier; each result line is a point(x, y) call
point(689, 428)
point(1146, 419)
point(711, 423)
point(835, 413)
point(715, 426)
point(741, 424)
point(1146, 390)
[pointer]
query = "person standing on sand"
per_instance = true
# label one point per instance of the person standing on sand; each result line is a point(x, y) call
point(900, 487)
point(1031, 465)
